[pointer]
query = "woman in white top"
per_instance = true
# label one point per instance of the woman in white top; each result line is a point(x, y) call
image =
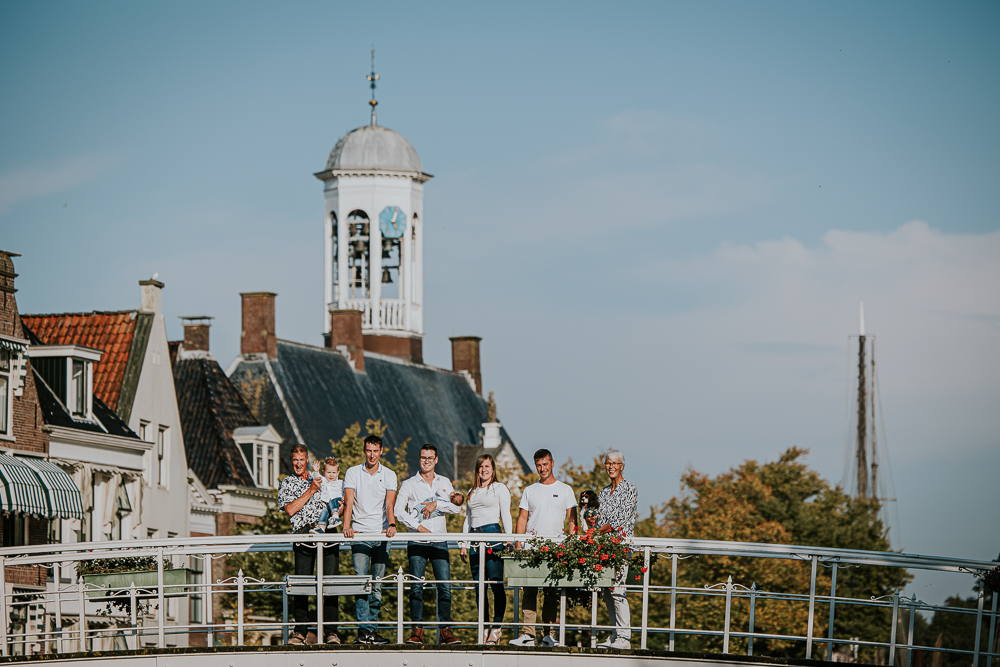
point(488, 505)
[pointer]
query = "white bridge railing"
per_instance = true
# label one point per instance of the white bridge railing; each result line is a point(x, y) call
point(67, 617)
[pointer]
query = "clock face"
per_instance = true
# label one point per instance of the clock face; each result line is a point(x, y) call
point(392, 222)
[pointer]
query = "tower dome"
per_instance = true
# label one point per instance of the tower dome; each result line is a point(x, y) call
point(374, 147)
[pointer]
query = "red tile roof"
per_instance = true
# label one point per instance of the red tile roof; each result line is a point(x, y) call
point(111, 332)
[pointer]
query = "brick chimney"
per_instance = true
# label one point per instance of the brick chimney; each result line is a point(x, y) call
point(465, 357)
point(345, 336)
point(257, 336)
point(196, 332)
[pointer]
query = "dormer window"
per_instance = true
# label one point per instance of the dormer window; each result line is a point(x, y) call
point(260, 445)
point(68, 370)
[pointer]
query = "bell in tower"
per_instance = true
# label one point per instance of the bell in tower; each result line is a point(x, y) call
point(374, 195)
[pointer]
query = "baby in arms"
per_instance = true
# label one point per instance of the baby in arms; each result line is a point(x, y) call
point(331, 493)
point(455, 497)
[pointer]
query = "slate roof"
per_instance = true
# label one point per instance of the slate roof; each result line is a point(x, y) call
point(122, 335)
point(323, 396)
point(210, 409)
point(55, 414)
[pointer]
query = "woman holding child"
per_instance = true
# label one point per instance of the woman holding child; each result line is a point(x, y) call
point(488, 506)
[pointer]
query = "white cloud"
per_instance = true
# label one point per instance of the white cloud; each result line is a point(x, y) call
point(25, 183)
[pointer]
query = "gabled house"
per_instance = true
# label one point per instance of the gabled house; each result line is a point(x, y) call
point(114, 417)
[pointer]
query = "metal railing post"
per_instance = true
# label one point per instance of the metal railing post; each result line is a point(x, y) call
point(993, 626)
point(645, 597)
point(4, 618)
point(562, 616)
point(593, 619)
point(812, 609)
point(979, 625)
point(59, 628)
point(132, 613)
point(480, 627)
point(161, 607)
point(673, 598)
point(319, 593)
point(895, 621)
point(909, 636)
point(833, 605)
point(729, 607)
point(239, 608)
point(209, 614)
point(83, 613)
point(753, 609)
point(399, 605)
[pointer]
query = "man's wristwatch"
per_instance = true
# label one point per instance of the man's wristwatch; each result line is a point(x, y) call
point(392, 525)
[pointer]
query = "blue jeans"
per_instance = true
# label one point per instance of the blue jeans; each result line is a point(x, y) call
point(419, 555)
point(331, 509)
point(374, 556)
point(494, 574)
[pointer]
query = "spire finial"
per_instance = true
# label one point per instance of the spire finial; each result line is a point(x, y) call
point(373, 77)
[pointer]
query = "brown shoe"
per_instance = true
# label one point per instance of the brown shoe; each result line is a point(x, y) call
point(448, 638)
point(417, 637)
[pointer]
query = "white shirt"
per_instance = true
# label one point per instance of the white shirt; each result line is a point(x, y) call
point(415, 491)
point(546, 505)
point(331, 490)
point(489, 505)
point(368, 514)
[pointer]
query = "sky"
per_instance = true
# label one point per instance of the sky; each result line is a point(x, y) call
point(661, 217)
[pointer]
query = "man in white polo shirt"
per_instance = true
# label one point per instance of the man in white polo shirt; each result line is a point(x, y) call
point(545, 507)
point(369, 493)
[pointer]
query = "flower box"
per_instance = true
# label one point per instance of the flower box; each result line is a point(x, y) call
point(521, 573)
point(145, 583)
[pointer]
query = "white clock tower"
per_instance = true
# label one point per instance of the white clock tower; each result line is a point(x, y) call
point(373, 227)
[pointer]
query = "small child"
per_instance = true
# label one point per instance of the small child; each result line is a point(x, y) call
point(331, 493)
point(455, 497)
point(588, 509)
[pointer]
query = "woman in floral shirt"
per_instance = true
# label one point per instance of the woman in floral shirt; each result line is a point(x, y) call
point(618, 502)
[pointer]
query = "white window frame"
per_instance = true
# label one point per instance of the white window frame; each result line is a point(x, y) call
point(7, 408)
point(163, 456)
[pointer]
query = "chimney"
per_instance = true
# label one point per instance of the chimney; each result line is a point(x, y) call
point(257, 336)
point(345, 336)
point(152, 295)
point(196, 332)
point(465, 357)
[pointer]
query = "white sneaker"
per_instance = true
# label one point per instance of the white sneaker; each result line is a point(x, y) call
point(606, 643)
point(523, 640)
point(622, 644)
point(549, 640)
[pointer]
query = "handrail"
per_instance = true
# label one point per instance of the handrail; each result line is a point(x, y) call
point(652, 550)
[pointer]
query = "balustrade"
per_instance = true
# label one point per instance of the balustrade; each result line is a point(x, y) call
point(66, 602)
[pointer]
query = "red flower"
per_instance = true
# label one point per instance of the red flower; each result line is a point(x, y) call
point(644, 569)
point(545, 548)
point(616, 540)
point(582, 560)
point(604, 556)
point(489, 551)
point(638, 577)
point(590, 541)
point(597, 567)
point(559, 554)
point(590, 531)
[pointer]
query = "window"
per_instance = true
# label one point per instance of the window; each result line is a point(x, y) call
point(123, 508)
point(15, 530)
point(162, 440)
point(265, 465)
point(79, 383)
point(198, 599)
point(144, 430)
point(5, 385)
point(258, 464)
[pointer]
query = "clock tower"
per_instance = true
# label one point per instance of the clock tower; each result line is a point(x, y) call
point(373, 230)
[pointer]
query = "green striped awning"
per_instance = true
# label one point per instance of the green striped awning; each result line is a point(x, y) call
point(65, 501)
point(21, 488)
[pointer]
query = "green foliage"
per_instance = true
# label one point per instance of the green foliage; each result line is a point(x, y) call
point(957, 631)
point(124, 564)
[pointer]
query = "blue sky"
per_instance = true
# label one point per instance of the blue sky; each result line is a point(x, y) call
point(659, 216)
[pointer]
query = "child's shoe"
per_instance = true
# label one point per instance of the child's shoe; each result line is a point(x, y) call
point(319, 529)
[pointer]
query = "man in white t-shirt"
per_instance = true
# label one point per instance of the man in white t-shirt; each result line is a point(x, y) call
point(545, 507)
point(369, 495)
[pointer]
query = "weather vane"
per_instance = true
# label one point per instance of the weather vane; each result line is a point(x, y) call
point(373, 77)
